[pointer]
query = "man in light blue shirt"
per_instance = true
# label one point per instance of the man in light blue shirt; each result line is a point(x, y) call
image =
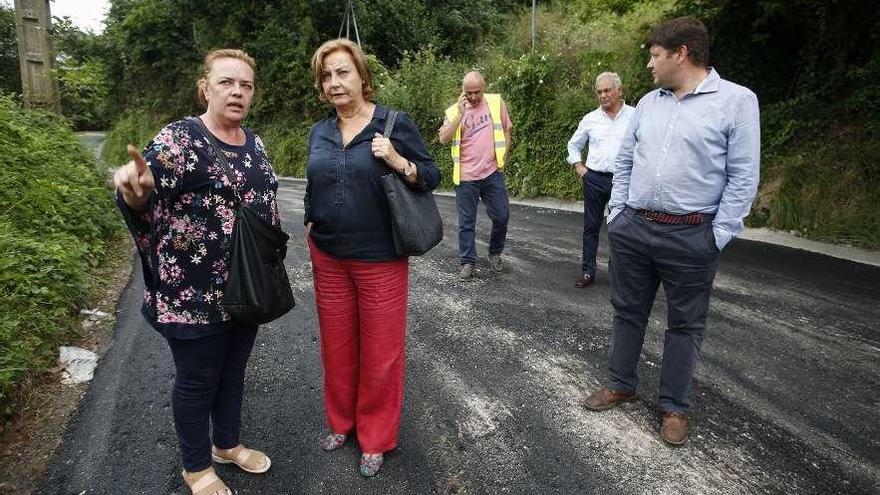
point(601, 130)
point(685, 178)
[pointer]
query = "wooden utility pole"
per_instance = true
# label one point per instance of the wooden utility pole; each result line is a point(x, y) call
point(32, 22)
point(534, 9)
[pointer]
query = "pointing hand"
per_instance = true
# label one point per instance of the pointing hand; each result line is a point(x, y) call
point(134, 180)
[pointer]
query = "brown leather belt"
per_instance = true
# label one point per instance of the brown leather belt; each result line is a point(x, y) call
point(661, 217)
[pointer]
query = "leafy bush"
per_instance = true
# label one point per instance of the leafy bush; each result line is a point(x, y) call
point(10, 76)
point(820, 178)
point(42, 281)
point(133, 127)
point(814, 192)
point(83, 84)
point(56, 216)
point(84, 91)
point(549, 90)
point(287, 145)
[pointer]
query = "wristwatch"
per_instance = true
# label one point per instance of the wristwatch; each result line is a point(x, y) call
point(409, 168)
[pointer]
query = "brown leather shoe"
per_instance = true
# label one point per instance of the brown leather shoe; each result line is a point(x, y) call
point(583, 281)
point(605, 398)
point(674, 428)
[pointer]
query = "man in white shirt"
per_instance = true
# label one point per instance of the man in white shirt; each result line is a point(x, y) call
point(602, 130)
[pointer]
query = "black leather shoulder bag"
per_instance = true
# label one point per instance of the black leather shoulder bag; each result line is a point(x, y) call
point(416, 225)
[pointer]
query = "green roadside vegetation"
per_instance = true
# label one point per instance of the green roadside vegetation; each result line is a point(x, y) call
point(815, 67)
point(56, 225)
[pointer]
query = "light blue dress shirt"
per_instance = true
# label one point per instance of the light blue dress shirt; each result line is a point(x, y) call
point(698, 154)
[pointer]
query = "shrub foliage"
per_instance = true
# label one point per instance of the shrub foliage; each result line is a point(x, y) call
point(809, 63)
point(56, 216)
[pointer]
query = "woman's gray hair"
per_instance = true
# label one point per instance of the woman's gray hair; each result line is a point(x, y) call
point(615, 79)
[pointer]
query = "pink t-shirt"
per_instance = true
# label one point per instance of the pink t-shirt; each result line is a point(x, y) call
point(478, 141)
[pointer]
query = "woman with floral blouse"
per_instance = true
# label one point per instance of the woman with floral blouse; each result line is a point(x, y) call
point(361, 285)
point(179, 205)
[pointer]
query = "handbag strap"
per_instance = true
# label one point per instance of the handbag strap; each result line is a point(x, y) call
point(221, 157)
point(389, 122)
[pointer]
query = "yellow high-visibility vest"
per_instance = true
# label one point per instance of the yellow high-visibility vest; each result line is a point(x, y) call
point(494, 101)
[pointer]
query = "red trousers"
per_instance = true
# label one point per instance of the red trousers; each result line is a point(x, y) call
point(362, 314)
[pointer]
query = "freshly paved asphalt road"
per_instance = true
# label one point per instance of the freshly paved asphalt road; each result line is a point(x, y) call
point(786, 396)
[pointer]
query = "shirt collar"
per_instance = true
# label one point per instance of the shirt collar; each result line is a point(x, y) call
point(707, 85)
point(710, 84)
point(381, 112)
point(619, 112)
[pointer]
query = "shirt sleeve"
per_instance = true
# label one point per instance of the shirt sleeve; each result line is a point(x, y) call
point(623, 165)
point(408, 142)
point(743, 170)
point(577, 142)
point(138, 223)
point(165, 157)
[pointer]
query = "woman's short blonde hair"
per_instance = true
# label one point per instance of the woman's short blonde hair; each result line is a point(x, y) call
point(360, 62)
point(209, 63)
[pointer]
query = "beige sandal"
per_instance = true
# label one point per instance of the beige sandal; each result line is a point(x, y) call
point(206, 484)
point(249, 460)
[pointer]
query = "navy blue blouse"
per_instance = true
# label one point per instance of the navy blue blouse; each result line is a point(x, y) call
point(344, 196)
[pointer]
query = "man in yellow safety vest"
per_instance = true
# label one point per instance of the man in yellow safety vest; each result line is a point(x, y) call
point(478, 126)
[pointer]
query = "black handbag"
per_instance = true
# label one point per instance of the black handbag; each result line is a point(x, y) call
point(257, 290)
point(416, 226)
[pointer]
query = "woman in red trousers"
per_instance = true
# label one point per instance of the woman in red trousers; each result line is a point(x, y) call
point(361, 286)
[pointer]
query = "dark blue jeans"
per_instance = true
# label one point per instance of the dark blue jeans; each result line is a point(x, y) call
point(209, 384)
point(597, 192)
point(644, 254)
point(493, 192)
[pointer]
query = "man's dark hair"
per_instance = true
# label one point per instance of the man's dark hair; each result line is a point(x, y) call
point(687, 31)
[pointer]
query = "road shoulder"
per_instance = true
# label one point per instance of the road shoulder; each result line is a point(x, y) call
point(764, 235)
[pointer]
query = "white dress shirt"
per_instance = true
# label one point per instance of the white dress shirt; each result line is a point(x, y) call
point(603, 134)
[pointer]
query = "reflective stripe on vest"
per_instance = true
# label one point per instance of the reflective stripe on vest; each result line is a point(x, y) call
point(494, 102)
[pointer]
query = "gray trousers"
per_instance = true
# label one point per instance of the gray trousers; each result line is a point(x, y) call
point(644, 254)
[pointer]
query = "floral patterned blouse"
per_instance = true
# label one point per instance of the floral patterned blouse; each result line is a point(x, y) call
point(183, 236)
